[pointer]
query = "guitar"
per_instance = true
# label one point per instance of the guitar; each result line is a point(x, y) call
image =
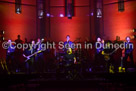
point(29, 57)
point(107, 55)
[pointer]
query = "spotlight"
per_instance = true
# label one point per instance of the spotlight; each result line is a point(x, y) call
point(2, 38)
point(42, 39)
point(133, 37)
point(69, 16)
point(99, 13)
point(18, 11)
point(18, 6)
point(41, 14)
point(2, 32)
point(134, 30)
point(48, 15)
point(92, 14)
point(61, 15)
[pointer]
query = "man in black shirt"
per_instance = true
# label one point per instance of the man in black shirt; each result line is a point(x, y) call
point(70, 60)
point(19, 64)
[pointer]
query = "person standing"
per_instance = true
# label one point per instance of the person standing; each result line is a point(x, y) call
point(18, 55)
point(10, 56)
point(128, 53)
point(68, 44)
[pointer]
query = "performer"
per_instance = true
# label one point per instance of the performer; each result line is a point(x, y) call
point(39, 59)
point(10, 56)
point(30, 63)
point(118, 55)
point(68, 44)
point(128, 52)
point(108, 57)
point(19, 65)
point(70, 60)
point(70, 57)
point(98, 53)
point(99, 46)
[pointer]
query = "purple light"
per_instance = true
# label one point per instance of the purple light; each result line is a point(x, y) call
point(47, 14)
point(90, 69)
point(92, 14)
point(61, 15)
point(69, 15)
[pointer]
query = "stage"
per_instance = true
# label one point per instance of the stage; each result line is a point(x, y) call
point(96, 81)
point(58, 45)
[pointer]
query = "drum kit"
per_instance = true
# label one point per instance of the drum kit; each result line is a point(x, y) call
point(60, 53)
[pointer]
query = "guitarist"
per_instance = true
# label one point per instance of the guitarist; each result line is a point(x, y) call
point(108, 56)
point(128, 52)
point(39, 58)
point(30, 63)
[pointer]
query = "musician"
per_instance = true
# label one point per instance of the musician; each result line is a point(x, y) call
point(128, 52)
point(68, 44)
point(30, 63)
point(19, 65)
point(70, 60)
point(98, 55)
point(10, 56)
point(39, 58)
point(117, 56)
point(108, 57)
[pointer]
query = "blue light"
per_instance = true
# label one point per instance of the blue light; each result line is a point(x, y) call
point(48, 15)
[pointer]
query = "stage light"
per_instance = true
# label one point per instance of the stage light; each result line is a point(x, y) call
point(41, 14)
point(92, 14)
point(99, 13)
point(69, 15)
point(48, 15)
point(18, 11)
point(40, 8)
point(134, 30)
point(2, 38)
point(61, 15)
point(2, 32)
point(90, 69)
point(42, 39)
point(133, 37)
point(18, 6)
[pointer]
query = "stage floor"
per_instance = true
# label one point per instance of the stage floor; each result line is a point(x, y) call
point(54, 82)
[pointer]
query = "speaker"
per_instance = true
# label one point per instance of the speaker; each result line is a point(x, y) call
point(69, 8)
point(121, 5)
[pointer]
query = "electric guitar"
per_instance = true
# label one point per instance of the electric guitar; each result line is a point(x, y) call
point(29, 57)
point(107, 55)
